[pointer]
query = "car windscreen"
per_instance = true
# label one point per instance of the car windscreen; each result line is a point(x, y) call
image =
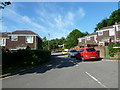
point(64, 51)
point(73, 51)
point(81, 50)
point(90, 49)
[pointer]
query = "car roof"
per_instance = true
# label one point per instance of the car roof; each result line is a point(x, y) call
point(72, 49)
point(86, 48)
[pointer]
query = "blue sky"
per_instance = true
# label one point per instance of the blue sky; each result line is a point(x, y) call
point(56, 18)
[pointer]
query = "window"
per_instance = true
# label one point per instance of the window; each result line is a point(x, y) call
point(88, 38)
point(100, 33)
point(118, 27)
point(81, 50)
point(14, 38)
point(90, 49)
point(80, 40)
point(29, 39)
point(2, 42)
point(95, 38)
point(73, 50)
point(111, 32)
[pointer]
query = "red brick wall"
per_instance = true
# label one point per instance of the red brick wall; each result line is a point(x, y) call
point(90, 41)
point(117, 34)
point(102, 51)
point(105, 35)
point(82, 42)
point(21, 40)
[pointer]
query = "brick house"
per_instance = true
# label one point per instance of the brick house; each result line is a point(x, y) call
point(110, 34)
point(103, 37)
point(81, 41)
point(20, 39)
point(90, 39)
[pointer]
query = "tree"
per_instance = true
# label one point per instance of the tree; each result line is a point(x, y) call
point(53, 44)
point(45, 43)
point(72, 38)
point(86, 33)
point(3, 4)
point(114, 17)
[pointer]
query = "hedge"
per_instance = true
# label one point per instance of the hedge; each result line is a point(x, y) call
point(25, 58)
point(113, 51)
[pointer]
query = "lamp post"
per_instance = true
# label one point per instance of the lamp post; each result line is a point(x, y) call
point(1, 19)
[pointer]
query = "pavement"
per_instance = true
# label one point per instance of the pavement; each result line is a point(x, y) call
point(64, 72)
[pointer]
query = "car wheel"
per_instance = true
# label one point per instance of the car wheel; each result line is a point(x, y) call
point(68, 55)
point(76, 58)
point(82, 58)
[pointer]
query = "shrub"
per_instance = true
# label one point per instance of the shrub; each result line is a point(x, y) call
point(113, 51)
point(25, 57)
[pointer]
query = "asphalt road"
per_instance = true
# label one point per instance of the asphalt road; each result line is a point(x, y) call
point(64, 72)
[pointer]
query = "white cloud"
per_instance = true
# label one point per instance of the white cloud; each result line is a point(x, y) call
point(23, 20)
point(81, 12)
point(57, 23)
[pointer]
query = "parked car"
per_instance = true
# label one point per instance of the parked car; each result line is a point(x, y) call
point(64, 52)
point(87, 53)
point(72, 53)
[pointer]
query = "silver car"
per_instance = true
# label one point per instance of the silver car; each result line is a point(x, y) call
point(72, 53)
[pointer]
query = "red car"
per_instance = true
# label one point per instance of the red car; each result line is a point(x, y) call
point(87, 53)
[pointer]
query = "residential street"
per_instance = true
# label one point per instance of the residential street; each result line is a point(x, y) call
point(64, 72)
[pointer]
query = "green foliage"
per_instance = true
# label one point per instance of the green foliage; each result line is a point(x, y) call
point(69, 42)
point(25, 57)
point(114, 17)
point(72, 38)
point(3, 4)
point(113, 51)
point(52, 44)
point(45, 43)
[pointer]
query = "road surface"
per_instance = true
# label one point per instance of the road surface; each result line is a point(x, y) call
point(64, 72)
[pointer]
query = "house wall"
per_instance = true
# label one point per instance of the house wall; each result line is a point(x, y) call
point(118, 34)
point(90, 41)
point(105, 35)
point(21, 41)
point(82, 43)
point(39, 43)
point(101, 51)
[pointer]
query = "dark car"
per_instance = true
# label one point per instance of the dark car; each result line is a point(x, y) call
point(87, 53)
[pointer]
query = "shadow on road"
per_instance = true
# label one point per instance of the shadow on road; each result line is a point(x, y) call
point(93, 60)
point(58, 61)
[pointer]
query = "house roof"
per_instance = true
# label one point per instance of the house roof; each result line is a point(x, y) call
point(92, 34)
point(4, 34)
point(28, 32)
point(107, 27)
point(23, 32)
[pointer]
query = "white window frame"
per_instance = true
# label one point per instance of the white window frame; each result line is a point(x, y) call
point(31, 41)
point(118, 28)
point(80, 40)
point(95, 38)
point(100, 33)
point(14, 38)
point(88, 38)
point(3, 42)
point(111, 32)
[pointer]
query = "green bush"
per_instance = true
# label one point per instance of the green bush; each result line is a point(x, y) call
point(113, 51)
point(25, 57)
